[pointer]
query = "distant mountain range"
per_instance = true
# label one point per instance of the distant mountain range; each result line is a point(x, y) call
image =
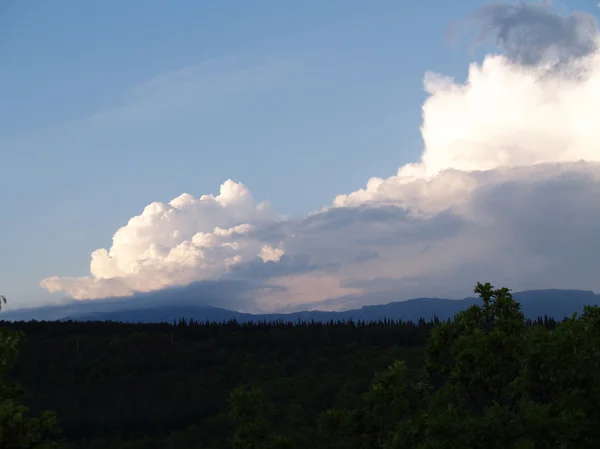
point(554, 303)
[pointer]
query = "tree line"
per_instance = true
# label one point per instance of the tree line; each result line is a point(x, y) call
point(488, 378)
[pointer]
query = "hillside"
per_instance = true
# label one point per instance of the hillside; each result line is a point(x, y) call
point(553, 303)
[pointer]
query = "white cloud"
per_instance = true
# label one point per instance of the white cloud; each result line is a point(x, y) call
point(499, 194)
point(504, 115)
point(171, 244)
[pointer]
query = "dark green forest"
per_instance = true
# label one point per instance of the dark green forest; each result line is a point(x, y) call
point(489, 378)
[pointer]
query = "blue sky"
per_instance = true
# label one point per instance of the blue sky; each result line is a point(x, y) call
point(109, 106)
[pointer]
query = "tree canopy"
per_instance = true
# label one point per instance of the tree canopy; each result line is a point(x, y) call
point(19, 430)
point(489, 378)
point(490, 381)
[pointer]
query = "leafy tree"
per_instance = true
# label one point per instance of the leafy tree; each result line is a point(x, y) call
point(17, 429)
point(392, 409)
point(248, 410)
point(497, 383)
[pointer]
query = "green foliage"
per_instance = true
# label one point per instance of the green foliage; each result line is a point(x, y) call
point(117, 385)
point(390, 402)
point(18, 430)
point(497, 383)
point(486, 379)
point(248, 411)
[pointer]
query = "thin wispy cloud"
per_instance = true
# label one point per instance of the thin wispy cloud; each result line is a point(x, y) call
point(167, 97)
point(193, 88)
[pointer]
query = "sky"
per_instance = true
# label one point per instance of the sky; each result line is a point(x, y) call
point(319, 154)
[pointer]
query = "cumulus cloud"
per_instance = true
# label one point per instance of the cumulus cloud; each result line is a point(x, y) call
point(175, 243)
point(507, 189)
point(503, 115)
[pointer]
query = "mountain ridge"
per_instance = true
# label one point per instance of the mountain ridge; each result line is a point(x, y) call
point(555, 303)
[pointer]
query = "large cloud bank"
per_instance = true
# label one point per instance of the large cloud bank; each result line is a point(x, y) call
point(507, 189)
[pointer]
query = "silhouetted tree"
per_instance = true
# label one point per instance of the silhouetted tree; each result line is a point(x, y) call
point(18, 430)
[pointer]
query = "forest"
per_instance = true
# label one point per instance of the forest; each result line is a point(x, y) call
point(489, 378)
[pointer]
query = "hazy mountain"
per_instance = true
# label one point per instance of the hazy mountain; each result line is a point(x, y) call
point(554, 303)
